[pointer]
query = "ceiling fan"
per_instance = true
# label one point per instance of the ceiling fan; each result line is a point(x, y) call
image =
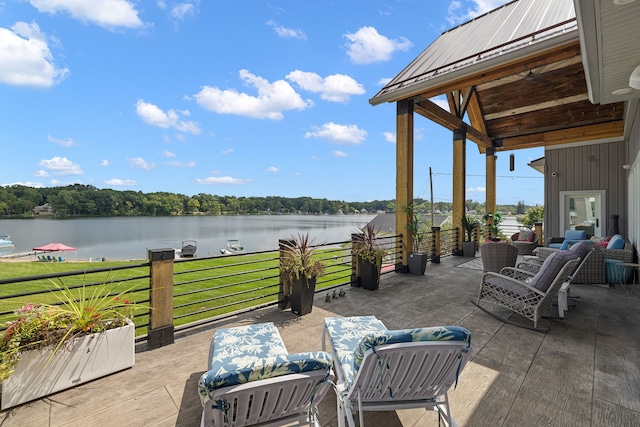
point(531, 76)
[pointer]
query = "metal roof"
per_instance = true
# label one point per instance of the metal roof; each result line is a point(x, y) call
point(493, 38)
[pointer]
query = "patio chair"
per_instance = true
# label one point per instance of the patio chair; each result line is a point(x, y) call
point(526, 294)
point(383, 370)
point(583, 249)
point(570, 237)
point(253, 380)
point(496, 256)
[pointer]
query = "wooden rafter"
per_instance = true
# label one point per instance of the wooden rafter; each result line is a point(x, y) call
point(444, 118)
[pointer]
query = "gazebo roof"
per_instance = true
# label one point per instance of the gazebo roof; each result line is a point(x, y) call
point(516, 75)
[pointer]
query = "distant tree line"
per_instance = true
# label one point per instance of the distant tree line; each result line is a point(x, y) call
point(87, 200)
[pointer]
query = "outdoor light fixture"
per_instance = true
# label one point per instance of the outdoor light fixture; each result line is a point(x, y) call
point(634, 80)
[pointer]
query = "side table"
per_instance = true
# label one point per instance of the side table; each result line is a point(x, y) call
point(635, 270)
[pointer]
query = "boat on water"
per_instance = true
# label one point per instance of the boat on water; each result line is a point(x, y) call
point(233, 247)
point(5, 241)
point(189, 248)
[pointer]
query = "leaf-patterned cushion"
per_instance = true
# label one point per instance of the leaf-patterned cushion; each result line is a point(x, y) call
point(434, 333)
point(251, 353)
point(345, 334)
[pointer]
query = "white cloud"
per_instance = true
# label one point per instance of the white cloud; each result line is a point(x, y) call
point(338, 153)
point(340, 134)
point(121, 182)
point(383, 81)
point(167, 153)
point(477, 7)
point(441, 102)
point(334, 88)
point(227, 151)
point(104, 163)
point(272, 169)
point(61, 166)
point(272, 100)
point(41, 173)
point(389, 137)
point(287, 33)
point(25, 58)
point(154, 116)
point(140, 163)
point(476, 190)
point(64, 142)
point(26, 184)
point(213, 180)
point(367, 46)
point(104, 13)
point(189, 164)
point(181, 10)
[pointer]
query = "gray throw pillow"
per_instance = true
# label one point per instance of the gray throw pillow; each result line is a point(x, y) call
point(550, 269)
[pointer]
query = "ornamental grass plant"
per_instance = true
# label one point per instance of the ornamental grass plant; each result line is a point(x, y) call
point(79, 311)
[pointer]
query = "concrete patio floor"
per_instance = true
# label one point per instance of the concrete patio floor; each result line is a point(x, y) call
point(584, 372)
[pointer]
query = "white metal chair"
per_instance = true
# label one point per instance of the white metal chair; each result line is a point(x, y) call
point(252, 380)
point(382, 370)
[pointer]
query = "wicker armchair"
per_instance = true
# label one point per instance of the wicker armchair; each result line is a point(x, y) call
point(496, 256)
point(524, 247)
point(529, 295)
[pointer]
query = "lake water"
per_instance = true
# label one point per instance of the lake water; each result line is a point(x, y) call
point(130, 238)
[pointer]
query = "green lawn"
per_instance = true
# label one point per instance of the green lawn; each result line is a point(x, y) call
point(203, 288)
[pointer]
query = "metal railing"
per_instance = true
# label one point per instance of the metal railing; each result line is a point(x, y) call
point(178, 294)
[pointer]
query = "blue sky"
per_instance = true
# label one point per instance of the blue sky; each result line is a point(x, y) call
point(240, 98)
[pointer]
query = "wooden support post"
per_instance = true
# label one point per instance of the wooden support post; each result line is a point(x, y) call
point(284, 291)
point(161, 298)
point(459, 181)
point(404, 175)
point(355, 273)
point(490, 183)
point(435, 257)
point(538, 229)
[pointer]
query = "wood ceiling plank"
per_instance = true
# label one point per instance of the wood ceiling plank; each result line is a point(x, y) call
point(610, 129)
point(554, 118)
point(536, 107)
point(569, 50)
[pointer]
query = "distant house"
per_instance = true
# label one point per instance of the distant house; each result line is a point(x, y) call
point(386, 223)
point(45, 209)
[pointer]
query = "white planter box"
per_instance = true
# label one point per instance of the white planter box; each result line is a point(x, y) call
point(83, 359)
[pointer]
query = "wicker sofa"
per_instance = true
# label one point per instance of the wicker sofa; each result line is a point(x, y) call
point(592, 270)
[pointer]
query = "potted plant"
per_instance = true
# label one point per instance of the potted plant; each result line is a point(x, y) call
point(369, 256)
point(469, 225)
point(417, 259)
point(493, 219)
point(51, 347)
point(299, 268)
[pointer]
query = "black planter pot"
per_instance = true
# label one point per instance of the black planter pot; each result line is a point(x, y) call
point(302, 293)
point(417, 263)
point(369, 275)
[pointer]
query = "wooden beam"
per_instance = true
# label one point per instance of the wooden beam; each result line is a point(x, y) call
point(404, 172)
point(475, 115)
point(433, 112)
point(565, 136)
